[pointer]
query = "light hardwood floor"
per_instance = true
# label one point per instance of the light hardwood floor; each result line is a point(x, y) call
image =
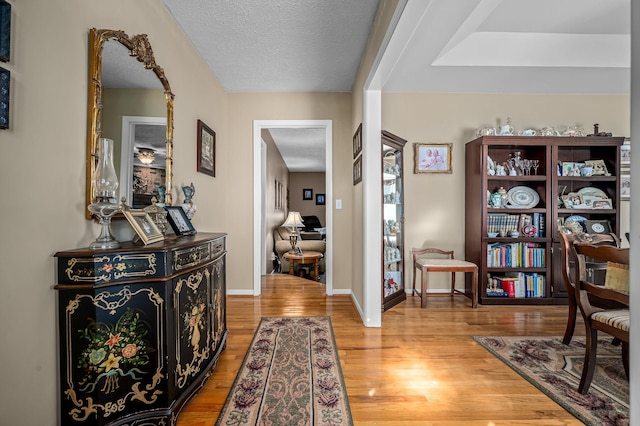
point(421, 367)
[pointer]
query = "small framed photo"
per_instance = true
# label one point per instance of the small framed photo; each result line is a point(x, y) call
point(357, 170)
point(144, 226)
point(598, 166)
point(572, 200)
point(179, 221)
point(625, 187)
point(597, 226)
point(206, 150)
point(357, 141)
point(569, 168)
point(307, 194)
point(320, 200)
point(432, 158)
point(625, 153)
point(604, 203)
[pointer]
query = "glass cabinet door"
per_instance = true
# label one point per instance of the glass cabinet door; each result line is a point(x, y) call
point(393, 287)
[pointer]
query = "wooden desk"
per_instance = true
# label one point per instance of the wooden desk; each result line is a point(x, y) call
point(446, 265)
point(307, 257)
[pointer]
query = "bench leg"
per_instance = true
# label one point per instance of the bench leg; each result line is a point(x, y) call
point(423, 290)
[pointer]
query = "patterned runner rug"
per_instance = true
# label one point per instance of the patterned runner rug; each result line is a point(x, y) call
point(555, 369)
point(290, 375)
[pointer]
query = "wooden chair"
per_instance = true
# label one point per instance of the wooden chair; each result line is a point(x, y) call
point(612, 321)
point(566, 241)
point(446, 262)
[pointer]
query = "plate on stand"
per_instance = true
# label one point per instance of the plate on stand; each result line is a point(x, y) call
point(523, 197)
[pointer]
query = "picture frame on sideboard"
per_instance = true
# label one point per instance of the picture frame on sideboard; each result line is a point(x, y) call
point(179, 221)
point(146, 229)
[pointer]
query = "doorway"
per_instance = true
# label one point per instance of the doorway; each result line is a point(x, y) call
point(258, 190)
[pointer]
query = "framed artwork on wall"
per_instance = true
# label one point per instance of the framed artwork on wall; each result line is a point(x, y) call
point(206, 150)
point(320, 199)
point(625, 153)
point(307, 194)
point(5, 31)
point(357, 141)
point(357, 170)
point(5, 79)
point(625, 185)
point(432, 157)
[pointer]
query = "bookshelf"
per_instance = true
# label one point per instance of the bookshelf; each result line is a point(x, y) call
point(511, 219)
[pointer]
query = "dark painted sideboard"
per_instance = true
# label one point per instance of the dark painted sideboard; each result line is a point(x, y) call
point(140, 328)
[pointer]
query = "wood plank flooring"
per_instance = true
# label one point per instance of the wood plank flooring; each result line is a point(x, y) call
point(420, 368)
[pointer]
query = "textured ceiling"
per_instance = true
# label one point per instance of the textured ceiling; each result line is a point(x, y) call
point(459, 46)
point(278, 45)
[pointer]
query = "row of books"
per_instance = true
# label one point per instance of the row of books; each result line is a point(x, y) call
point(497, 222)
point(515, 255)
point(517, 284)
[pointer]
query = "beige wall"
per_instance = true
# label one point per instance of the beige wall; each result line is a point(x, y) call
point(276, 170)
point(244, 108)
point(42, 170)
point(300, 181)
point(434, 203)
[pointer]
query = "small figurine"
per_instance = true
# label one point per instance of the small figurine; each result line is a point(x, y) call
point(189, 191)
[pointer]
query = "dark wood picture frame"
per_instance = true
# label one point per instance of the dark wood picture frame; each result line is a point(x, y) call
point(5, 31)
point(357, 141)
point(179, 221)
point(320, 199)
point(206, 149)
point(307, 194)
point(5, 82)
point(357, 170)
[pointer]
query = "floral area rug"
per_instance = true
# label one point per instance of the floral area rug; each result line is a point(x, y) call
point(555, 369)
point(290, 375)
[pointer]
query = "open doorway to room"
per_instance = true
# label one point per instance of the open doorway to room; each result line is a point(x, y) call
point(262, 229)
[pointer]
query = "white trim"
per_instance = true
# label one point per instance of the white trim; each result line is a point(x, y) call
point(403, 23)
point(258, 125)
point(127, 143)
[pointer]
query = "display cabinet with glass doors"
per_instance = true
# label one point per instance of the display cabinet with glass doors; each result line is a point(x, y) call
point(393, 286)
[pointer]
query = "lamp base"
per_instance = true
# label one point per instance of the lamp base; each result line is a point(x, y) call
point(293, 240)
point(104, 211)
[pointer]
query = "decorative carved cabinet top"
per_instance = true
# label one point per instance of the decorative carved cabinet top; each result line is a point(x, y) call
point(129, 262)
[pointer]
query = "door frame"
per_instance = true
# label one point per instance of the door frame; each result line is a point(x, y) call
point(258, 208)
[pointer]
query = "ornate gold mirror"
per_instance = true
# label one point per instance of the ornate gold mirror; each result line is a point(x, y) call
point(130, 101)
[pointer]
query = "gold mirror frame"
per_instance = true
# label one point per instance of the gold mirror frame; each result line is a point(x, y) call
point(140, 48)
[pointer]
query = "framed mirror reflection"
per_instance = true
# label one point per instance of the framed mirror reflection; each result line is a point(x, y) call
point(129, 97)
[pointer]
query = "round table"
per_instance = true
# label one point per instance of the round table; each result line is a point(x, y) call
point(307, 257)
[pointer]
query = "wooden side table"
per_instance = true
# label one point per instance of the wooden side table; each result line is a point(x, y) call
point(307, 257)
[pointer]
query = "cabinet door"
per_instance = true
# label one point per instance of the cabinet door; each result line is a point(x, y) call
point(114, 363)
point(219, 305)
point(193, 319)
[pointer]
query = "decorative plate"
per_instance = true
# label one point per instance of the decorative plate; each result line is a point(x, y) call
point(575, 223)
point(523, 197)
point(592, 192)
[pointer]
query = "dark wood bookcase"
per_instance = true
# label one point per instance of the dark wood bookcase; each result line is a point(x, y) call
point(492, 254)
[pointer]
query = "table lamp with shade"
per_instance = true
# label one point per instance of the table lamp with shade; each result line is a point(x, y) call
point(293, 222)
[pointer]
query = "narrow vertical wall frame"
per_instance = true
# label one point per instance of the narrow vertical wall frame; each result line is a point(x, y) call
point(5, 31)
point(5, 81)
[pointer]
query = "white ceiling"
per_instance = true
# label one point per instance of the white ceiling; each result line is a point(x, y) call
point(462, 46)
